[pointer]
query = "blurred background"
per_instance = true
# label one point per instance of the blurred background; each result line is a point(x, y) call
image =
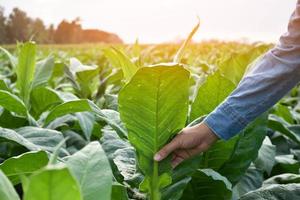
point(155, 21)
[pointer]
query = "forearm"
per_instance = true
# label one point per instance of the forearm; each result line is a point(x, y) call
point(269, 80)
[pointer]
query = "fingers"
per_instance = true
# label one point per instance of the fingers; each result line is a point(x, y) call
point(176, 161)
point(182, 154)
point(166, 150)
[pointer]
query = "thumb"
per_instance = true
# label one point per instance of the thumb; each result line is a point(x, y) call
point(166, 150)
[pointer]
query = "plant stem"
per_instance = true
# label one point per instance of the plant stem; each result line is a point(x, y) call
point(154, 192)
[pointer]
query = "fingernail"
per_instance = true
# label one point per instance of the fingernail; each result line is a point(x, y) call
point(157, 157)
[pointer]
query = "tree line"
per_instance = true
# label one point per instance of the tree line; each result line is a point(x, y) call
point(19, 27)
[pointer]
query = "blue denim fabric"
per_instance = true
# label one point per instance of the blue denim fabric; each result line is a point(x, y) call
point(269, 79)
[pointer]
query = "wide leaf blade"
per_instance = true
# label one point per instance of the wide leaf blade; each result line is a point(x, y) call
point(24, 164)
point(153, 106)
point(52, 183)
point(92, 171)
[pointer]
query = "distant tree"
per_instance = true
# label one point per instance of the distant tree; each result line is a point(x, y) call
point(38, 31)
point(51, 32)
point(18, 24)
point(68, 32)
point(3, 27)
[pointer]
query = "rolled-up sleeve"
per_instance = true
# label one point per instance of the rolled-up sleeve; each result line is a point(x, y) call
point(273, 75)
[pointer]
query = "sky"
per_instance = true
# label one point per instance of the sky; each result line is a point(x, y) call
point(157, 21)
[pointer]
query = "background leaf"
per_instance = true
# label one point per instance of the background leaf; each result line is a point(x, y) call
point(92, 171)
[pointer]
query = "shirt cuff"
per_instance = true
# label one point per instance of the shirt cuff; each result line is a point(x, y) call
point(225, 122)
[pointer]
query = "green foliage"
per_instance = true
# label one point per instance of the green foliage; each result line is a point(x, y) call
point(65, 107)
point(92, 171)
point(119, 59)
point(276, 192)
point(25, 70)
point(7, 191)
point(208, 184)
point(210, 94)
point(51, 183)
point(12, 103)
point(154, 109)
point(24, 164)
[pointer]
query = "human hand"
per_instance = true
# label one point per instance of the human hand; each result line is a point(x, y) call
point(189, 142)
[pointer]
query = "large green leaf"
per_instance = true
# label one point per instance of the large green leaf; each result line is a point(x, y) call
point(24, 164)
point(213, 91)
point(208, 184)
point(12, 103)
point(52, 183)
point(33, 138)
point(7, 191)
point(274, 192)
point(153, 106)
point(92, 171)
point(245, 150)
point(26, 70)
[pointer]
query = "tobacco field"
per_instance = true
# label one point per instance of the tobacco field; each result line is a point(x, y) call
point(83, 122)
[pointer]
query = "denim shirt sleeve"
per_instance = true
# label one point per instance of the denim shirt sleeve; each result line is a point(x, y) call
point(277, 72)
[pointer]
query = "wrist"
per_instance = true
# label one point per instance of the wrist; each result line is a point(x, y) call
point(209, 131)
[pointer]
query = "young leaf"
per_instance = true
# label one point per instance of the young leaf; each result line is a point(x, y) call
point(78, 74)
point(26, 70)
point(180, 52)
point(119, 58)
point(153, 106)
